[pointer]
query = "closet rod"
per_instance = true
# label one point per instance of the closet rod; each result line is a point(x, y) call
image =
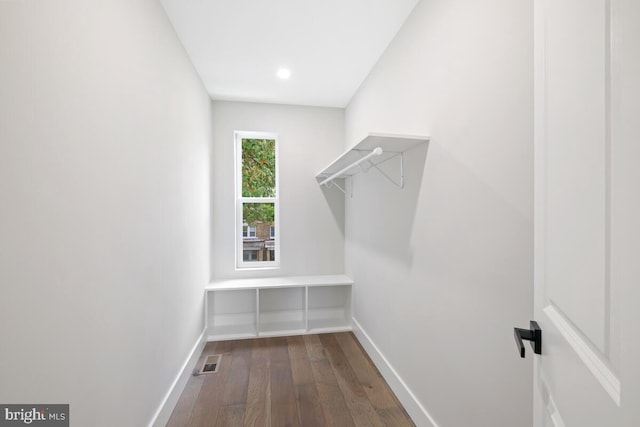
point(375, 152)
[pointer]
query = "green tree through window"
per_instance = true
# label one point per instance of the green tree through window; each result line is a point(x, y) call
point(258, 168)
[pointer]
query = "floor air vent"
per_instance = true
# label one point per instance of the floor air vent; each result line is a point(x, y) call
point(210, 365)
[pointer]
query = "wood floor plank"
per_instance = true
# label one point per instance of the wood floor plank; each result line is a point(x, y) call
point(205, 411)
point(310, 409)
point(231, 416)
point(308, 381)
point(258, 410)
point(284, 407)
point(395, 417)
point(184, 406)
point(300, 364)
point(297, 348)
point(377, 389)
point(284, 410)
point(314, 347)
point(362, 365)
point(277, 349)
point(235, 393)
point(207, 406)
point(285, 415)
point(335, 409)
point(362, 411)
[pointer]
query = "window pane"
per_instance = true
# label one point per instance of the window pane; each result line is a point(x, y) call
point(250, 255)
point(257, 242)
point(258, 168)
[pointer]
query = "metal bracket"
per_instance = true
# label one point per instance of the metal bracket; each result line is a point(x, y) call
point(331, 183)
point(376, 166)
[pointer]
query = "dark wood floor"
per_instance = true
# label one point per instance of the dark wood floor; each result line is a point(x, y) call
point(311, 380)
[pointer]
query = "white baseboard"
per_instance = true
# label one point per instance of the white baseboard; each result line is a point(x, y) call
point(414, 408)
point(170, 400)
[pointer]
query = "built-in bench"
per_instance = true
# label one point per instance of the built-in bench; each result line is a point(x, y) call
point(277, 306)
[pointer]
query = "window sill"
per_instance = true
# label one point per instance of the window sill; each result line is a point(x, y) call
point(258, 268)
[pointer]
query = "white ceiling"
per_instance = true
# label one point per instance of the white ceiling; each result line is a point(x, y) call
point(330, 46)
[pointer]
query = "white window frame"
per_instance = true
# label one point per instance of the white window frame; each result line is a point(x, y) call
point(240, 263)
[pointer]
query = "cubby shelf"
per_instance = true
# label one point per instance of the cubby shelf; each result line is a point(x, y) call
point(278, 306)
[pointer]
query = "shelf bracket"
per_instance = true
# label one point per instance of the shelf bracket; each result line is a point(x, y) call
point(332, 183)
point(394, 182)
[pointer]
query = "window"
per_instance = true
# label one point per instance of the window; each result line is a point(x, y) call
point(256, 200)
point(250, 255)
point(248, 231)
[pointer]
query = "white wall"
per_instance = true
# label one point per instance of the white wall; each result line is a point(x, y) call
point(311, 218)
point(443, 268)
point(104, 206)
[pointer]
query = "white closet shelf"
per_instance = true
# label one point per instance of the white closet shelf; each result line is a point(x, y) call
point(377, 148)
point(280, 282)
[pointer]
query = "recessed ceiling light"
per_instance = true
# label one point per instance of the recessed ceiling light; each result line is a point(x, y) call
point(284, 73)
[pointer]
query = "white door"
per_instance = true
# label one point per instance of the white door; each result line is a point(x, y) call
point(586, 212)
